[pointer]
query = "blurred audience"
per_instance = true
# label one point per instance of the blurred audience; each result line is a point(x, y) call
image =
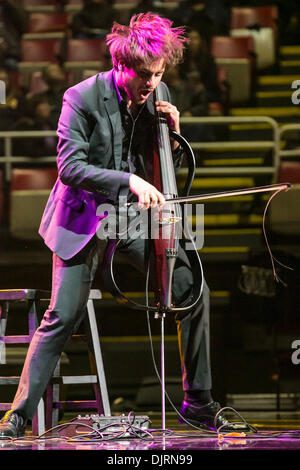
point(14, 106)
point(143, 6)
point(38, 118)
point(55, 80)
point(94, 20)
point(195, 88)
point(208, 17)
point(200, 70)
point(13, 23)
point(190, 100)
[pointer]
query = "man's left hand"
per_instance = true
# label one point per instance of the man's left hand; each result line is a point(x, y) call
point(172, 115)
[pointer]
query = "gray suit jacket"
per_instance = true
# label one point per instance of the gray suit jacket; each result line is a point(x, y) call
point(89, 164)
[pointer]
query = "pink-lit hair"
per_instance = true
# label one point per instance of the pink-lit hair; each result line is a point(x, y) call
point(147, 39)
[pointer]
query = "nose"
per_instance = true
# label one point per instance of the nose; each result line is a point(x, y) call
point(150, 81)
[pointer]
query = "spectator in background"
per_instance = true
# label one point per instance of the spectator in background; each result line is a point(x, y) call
point(13, 23)
point(55, 79)
point(38, 118)
point(14, 106)
point(208, 17)
point(142, 6)
point(94, 20)
point(219, 14)
point(202, 95)
point(200, 69)
point(190, 100)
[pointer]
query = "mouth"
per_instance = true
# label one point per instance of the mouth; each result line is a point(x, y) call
point(145, 93)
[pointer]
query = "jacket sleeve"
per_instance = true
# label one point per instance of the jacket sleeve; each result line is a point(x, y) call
point(74, 169)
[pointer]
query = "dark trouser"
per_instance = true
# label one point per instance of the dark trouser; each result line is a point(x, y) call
point(71, 285)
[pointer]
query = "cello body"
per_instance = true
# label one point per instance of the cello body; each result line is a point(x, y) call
point(166, 224)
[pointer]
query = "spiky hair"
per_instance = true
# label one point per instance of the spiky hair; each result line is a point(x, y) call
point(148, 38)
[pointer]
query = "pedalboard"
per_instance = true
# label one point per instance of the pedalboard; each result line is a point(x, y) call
point(120, 426)
point(120, 423)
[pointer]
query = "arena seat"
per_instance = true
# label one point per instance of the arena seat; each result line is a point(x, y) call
point(85, 50)
point(236, 55)
point(289, 172)
point(46, 26)
point(264, 17)
point(261, 24)
point(27, 4)
point(232, 48)
point(81, 54)
point(36, 54)
point(284, 210)
point(29, 192)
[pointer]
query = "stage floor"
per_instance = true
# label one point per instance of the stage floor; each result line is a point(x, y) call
point(274, 431)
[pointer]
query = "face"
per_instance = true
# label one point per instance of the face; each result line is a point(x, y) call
point(195, 40)
point(139, 83)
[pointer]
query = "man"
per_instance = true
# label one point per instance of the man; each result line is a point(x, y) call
point(102, 134)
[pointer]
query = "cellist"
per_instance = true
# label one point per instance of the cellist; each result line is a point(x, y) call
point(103, 136)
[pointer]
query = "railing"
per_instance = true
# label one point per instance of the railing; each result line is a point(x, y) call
point(273, 145)
point(284, 130)
point(8, 160)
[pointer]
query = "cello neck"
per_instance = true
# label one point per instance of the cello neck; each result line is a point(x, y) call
point(169, 186)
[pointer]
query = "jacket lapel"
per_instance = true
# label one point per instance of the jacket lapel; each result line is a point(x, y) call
point(113, 112)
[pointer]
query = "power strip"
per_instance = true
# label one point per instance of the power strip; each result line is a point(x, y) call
point(119, 424)
point(107, 425)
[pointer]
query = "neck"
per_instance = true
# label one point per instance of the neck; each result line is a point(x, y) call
point(134, 108)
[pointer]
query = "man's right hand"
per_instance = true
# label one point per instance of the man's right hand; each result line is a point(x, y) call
point(147, 194)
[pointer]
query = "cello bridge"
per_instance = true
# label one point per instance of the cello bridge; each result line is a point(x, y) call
point(170, 220)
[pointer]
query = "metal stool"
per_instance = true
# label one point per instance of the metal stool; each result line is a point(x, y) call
point(33, 298)
point(53, 404)
point(101, 402)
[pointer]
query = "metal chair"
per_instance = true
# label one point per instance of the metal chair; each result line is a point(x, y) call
point(42, 421)
point(97, 378)
point(33, 298)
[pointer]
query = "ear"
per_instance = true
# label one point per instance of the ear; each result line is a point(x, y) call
point(121, 66)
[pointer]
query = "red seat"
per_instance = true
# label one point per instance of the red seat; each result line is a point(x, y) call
point(265, 16)
point(289, 172)
point(45, 50)
point(85, 54)
point(284, 216)
point(33, 179)
point(39, 3)
point(226, 47)
point(264, 35)
point(236, 55)
point(47, 22)
point(29, 191)
point(85, 50)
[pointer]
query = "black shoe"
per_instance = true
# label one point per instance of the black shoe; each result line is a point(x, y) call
point(12, 425)
point(205, 416)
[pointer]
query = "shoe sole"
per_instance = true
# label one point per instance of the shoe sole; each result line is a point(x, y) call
point(194, 422)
